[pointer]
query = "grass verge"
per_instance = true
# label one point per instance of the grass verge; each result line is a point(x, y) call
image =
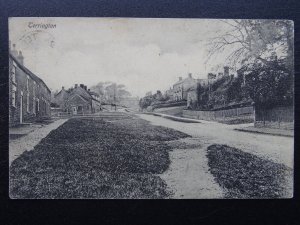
point(96, 158)
point(244, 175)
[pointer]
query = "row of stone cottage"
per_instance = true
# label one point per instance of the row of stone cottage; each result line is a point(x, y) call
point(186, 89)
point(30, 97)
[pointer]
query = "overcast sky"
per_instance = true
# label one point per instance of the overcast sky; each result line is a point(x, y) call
point(143, 54)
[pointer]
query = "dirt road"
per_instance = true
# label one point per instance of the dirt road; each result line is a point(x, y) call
point(188, 174)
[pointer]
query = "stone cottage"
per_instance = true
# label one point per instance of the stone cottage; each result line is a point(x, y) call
point(29, 96)
point(181, 86)
point(77, 100)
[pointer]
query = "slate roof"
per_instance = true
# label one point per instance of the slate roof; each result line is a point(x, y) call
point(27, 71)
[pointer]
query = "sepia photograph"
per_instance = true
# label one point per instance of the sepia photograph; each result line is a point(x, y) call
point(150, 108)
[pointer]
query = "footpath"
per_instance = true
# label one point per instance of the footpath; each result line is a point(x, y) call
point(25, 138)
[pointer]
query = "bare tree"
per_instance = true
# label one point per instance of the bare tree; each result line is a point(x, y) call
point(251, 40)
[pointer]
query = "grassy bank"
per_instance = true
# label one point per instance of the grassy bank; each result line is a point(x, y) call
point(96, 158)
point(244, 175)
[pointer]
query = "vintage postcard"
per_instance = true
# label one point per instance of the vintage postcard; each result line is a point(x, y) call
point(142, 108)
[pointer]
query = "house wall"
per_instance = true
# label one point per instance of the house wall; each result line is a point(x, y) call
point(36, 91)
point(61, 98)
point(77, 101)
point(180, 89)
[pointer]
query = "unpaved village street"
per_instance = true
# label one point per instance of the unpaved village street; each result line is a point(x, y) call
point(276, 148)
point(146, 156)
point(188, 174)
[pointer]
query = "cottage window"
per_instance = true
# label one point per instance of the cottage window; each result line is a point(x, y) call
point(13, 96)
point(38, 105)
point(27, 83)
point(27, 101)
point(13, 74)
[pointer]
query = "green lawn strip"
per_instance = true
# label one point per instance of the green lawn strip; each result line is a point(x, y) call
point(94, 158)
point(244, 175)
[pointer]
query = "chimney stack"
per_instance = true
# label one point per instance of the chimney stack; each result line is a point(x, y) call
point(85, 87)
point(20, 58)
point(14, 52)
point(226, 71)
point(76, 85)
point(190, 75)
point(63, 88)
point(180, 78)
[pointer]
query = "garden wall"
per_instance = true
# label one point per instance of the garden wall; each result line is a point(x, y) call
point(174, 111)
point(243, 113)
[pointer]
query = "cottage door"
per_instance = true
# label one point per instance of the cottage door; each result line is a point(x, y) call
point(74, 110)
point(36, 108)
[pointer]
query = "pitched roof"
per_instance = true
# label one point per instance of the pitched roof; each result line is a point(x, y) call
point(27, 71)
point(182, 80)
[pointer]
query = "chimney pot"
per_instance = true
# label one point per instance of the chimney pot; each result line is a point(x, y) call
point(14, 52)
point(63, 88)
point(20, 57)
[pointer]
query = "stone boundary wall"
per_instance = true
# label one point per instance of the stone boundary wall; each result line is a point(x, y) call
point(243, 113)
point(174, 111)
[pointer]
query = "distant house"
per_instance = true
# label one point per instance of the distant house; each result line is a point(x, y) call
point(181, 86)
point(77, 100)
point(29, 96)
point(169, 94)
